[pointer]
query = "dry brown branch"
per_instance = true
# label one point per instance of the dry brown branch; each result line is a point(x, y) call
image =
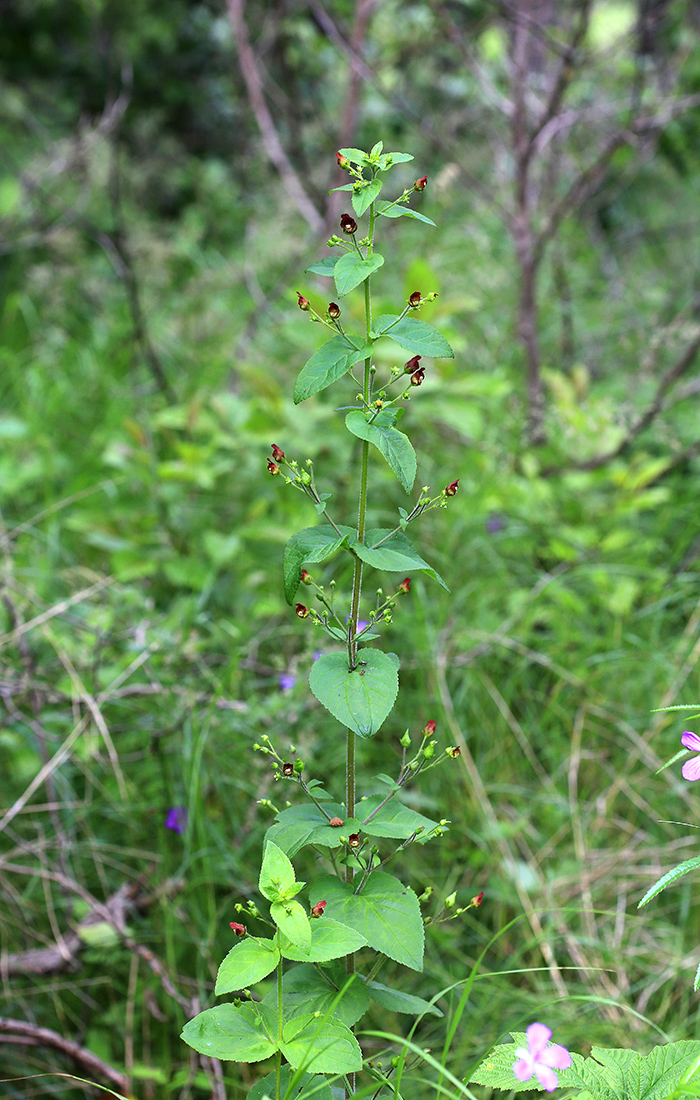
point(684, 362)
point(17, 1031)
point(271, 141)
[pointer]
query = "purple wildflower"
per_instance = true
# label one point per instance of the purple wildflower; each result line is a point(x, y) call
point(317, 654)
point(541, 1059)
point(495, 522)
point(691, 768)
point(176, 819)
point(361, 624)
point(287, 681)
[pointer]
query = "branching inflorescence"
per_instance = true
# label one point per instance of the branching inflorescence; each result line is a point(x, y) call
point(325, 952)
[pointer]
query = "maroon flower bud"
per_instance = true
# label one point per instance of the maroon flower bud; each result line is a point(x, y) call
point(430, 728)
point(306, 577)
point(277, 453)
point(418, 376)
point(412, 364)
point(317, 909)
point(333, 310)
point(348, 224)
point(287, 769)
point(343, 162)
point(414, 299)
point(451, 489)
point(304, 303)
point(272, 467)
point(354, 840)
point(476, 902)
point(419, 185)
point(302, 612)
point(239, 929)
point(454, 752)
point(405, 585)
point(335, 822)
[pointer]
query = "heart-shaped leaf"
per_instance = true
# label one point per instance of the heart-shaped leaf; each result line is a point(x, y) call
point(313, 544)
point(415, 336)
point(332, 360)
point(247, 963)
point(396, 447)
point(395, 555)
point(386, 913)
point(233, 1034)
point(360, 698)
point(351, 270)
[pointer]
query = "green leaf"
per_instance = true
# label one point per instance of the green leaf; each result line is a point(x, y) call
point(399, 158)
point(362, 698)
point(400, 211)
point(396, 447)
point(313, 544)
point(606, 1074)
point(351, 270)
point(396, 1001)
point(669, 877)
point(233, 1034)
point(248, 962)
point(277, 878)
point(321, 1046)
point(332, 360)
point(414, 335)
point(324, 266)
point(307, 990)
point(329, 940)
point(386, 913)
point(305, 824)
point(396, 555)
point(317, 1089)
point(292, 921)
point(355, 156)
point(393, 820)
point(362, 200)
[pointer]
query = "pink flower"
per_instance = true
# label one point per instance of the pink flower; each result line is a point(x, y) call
point(541, 1059)
point(691, 768)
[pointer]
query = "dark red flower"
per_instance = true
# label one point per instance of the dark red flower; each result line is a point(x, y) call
point(317, 909)
point(414, 299)
point(343, 162)
point(412, 364)
point(419, 185)
point(333, 310)
point(476, 902)
point(304, 303)
point(335, 822)
point(348, 224)
point(430, 728)
point(451, 489)
point(354, 840)
point(302, 612)
point(239, 929)
point(405, 585)
point(306, 577)
point(454, 752)
point(418, 376)
point(277, 453)
point(272, 467)
point(287, 769)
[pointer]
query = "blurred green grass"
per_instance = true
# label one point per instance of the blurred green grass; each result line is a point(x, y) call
point(572, 612)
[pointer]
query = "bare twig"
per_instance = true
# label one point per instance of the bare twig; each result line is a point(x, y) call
point(17, 1031)
point(271, 141)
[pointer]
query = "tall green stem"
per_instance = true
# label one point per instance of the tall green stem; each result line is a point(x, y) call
point(350, 793)
point(278, 1060)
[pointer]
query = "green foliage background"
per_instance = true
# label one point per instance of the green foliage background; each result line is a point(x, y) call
point(150, 340)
